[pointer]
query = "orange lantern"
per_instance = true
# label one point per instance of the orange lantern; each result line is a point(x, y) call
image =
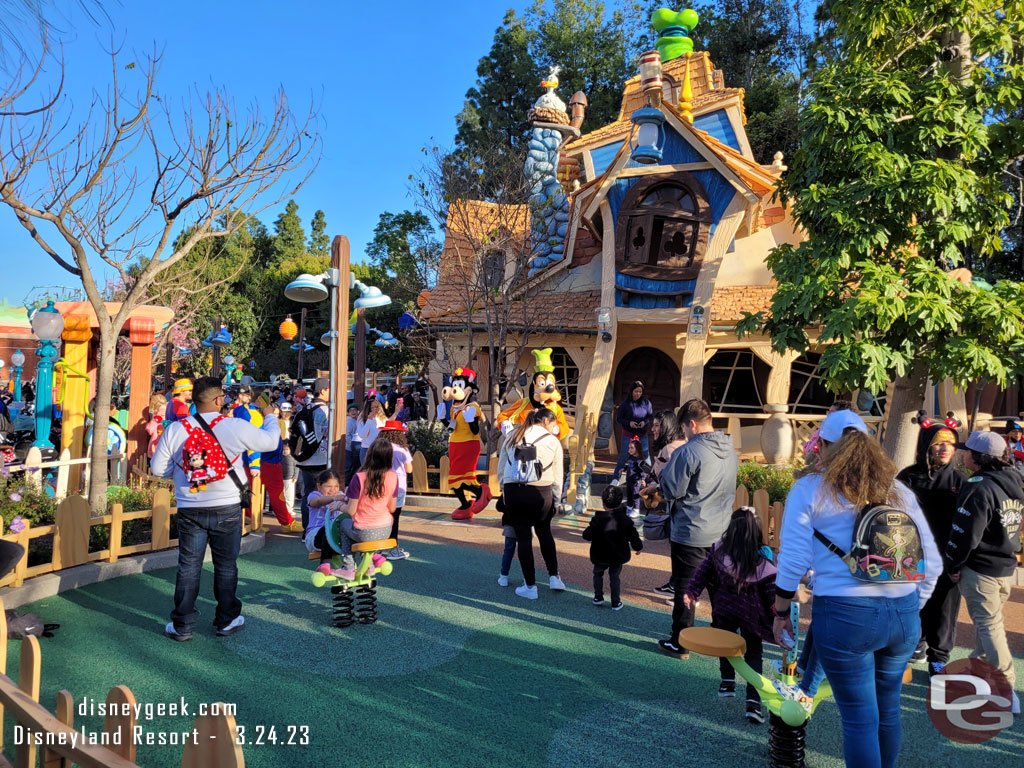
point(288, 329)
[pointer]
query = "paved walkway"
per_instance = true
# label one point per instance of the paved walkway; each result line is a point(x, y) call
point(457, 672)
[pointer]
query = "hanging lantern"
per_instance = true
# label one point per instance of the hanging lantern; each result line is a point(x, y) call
point(649, 136)
point(288, 329)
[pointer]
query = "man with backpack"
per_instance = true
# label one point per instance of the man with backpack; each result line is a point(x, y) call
point(308, 440)
point(204, 454)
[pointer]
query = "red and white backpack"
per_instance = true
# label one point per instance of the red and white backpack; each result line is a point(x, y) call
point(202, 459)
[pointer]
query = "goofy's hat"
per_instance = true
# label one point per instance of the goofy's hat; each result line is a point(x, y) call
point(542, 361)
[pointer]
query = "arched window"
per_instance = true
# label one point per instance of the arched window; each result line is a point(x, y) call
point(492, 273)
point(735, 380)
point(663, 228)
point(567, 376)
point(807, 393)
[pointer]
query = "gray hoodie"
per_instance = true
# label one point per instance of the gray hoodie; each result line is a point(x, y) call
point(699, 483)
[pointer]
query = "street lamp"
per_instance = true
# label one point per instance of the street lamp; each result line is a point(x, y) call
point(47, 325)
point(17, 360)
point(370, 297)
point(229, 366)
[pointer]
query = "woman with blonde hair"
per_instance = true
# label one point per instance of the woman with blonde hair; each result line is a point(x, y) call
point(864, 630)
point(155, 424)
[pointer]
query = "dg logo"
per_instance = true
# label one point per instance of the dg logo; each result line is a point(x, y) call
point(970, 701)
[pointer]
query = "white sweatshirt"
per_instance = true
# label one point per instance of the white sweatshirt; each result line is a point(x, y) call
point(235, 435)
point(810, 506)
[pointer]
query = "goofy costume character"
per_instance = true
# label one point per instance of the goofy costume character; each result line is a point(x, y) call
point(544, 394)
point(464, 445)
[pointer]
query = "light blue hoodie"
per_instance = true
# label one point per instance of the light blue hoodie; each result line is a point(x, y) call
point(699, 485)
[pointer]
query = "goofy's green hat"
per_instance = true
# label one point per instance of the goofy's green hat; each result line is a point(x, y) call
point(542, 361)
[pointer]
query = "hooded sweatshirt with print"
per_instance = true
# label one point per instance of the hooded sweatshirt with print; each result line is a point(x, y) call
point(986, 528)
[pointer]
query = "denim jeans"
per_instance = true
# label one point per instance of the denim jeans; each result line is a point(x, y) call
point(685, 561)
point(221, 528)
point(308, 486)
point(809, 665)
point(624, 450)
point(508, 555)
point(352, 462)
point(864, 645)
point(350, 533)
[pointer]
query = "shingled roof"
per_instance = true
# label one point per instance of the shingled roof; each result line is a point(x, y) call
point(571, 311)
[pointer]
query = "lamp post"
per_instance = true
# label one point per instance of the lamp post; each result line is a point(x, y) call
point(17, 360)
point(47, 325)
point(370, 297)
point(229, 366)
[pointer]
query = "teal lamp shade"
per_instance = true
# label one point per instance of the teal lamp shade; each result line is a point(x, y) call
point(221, 338)
point(306, 288)
point(372, 297)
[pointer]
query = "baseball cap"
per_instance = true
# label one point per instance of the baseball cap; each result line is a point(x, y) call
point(320, 385)
point(285, 407)
point(835, 424)
point(988, 443)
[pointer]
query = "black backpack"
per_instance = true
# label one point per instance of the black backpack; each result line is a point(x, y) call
point(886, 546)
point(303, 440)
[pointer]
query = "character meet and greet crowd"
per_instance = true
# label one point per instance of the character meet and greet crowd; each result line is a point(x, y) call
point(888, 556)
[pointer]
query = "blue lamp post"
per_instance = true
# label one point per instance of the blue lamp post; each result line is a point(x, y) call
point(47, 325)
point(649, 137)
point(17, 360)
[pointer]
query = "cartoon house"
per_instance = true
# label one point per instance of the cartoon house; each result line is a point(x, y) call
point(653, 232)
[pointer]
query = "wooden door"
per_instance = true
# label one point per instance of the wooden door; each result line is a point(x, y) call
point(657, 371)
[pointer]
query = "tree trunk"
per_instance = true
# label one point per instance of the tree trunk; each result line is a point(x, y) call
point(98, 464)
point(900, 440)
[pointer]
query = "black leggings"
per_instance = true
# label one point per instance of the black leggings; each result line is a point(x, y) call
point(529, 508)
point(753, 655)
point(321, 543)
point(394, 525)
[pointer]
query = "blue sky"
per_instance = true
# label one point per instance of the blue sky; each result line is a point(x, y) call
point(332, 50)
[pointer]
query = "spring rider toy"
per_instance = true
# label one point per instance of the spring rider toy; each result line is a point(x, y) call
point(356, 600)
point(787, 719)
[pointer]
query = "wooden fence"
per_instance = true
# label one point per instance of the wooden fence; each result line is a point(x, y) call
point(768, 513)
point(212, 744)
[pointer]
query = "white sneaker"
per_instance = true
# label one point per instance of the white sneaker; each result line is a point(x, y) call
point(234, 626)
point(634, 514)
point(530, 593)
point(502, 580)
point(616, 482)
point(1014, 703)
point(556, 583)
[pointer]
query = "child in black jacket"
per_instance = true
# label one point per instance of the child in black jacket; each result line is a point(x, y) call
point(611, 534)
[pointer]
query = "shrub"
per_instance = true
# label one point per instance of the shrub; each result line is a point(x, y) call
point(775, 480)
point(430, 439)
point(20, 500)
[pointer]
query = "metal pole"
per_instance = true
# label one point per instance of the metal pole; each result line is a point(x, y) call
point(168, 364)
point(359, 375)
point(47, 352)
point(215, 368)
point(302, 334)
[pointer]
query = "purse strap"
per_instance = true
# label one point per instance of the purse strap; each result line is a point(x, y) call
point(231, 463)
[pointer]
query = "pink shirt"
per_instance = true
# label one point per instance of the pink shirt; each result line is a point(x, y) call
point(373, 513)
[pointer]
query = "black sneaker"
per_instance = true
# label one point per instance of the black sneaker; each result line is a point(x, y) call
point(920, 653)
point(727, 689)
point(617, 606)
point(936, 668)
point(598, 600)
point(665, 589)
point(755, 713)
point(669, 647)
point(171, 632)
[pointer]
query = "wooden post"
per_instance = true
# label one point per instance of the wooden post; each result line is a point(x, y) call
point(116, 526)
point(34, 477)
point(65, 713)
point(216, 744)
point(71, 540)
point(161, 519)
point(339, 395)
point(28, 682)
point(120, 698)
point(445, 468)
point(76, 336)
point(742, 497)
point(302, 342)
point(3, 660)
point(63, 475)
point(22, 567)
point(141, 334)
point(419, 473)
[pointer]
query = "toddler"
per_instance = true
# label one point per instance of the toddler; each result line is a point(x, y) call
point(637, 469)
point(611, 534)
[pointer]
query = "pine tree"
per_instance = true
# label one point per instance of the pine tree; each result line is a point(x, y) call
point(289, 238)
point(319, 242)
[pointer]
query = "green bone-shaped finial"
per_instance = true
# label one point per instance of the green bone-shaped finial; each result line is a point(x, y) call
point(674, 28)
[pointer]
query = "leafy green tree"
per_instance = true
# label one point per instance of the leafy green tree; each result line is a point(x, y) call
point(898, 180)
point(289, 238)
point(405, 246)
point(319, 242)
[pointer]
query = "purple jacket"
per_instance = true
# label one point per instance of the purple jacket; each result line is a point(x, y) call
point(751, 608)
point(640, 411)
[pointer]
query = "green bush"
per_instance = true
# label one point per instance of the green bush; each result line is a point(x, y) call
point(775, 480)
point(19, 500)
point(430, 439)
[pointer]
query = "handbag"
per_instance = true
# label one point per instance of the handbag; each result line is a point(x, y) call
point(657, 526)
point(244, 491)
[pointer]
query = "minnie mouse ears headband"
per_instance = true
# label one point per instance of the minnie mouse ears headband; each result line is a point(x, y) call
point(924, 421)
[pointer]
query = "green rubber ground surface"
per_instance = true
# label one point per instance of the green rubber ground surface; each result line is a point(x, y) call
point(457, 672)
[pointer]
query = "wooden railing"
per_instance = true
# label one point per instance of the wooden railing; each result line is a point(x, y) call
point(73, 522)
point(34, 468)
point(213, 744)
point(769, 514)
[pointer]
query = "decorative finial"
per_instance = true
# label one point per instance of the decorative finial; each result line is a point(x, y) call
point(549, 108)
point(686, 94)
point(674, 28)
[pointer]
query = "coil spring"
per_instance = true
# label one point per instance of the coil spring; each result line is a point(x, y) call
point(366, 603)
point(344, 606)
point(786, 743)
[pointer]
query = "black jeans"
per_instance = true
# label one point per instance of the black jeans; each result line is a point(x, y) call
point(308, 475)
point(614, 571)
point(221, 528)
point(321, 543)
point(530, 508)
point(938, 619)
point(685, 560)
point(752, 656)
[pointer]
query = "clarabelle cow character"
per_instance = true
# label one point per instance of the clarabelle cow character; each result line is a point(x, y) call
point(464, 445)
point(543, 394)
